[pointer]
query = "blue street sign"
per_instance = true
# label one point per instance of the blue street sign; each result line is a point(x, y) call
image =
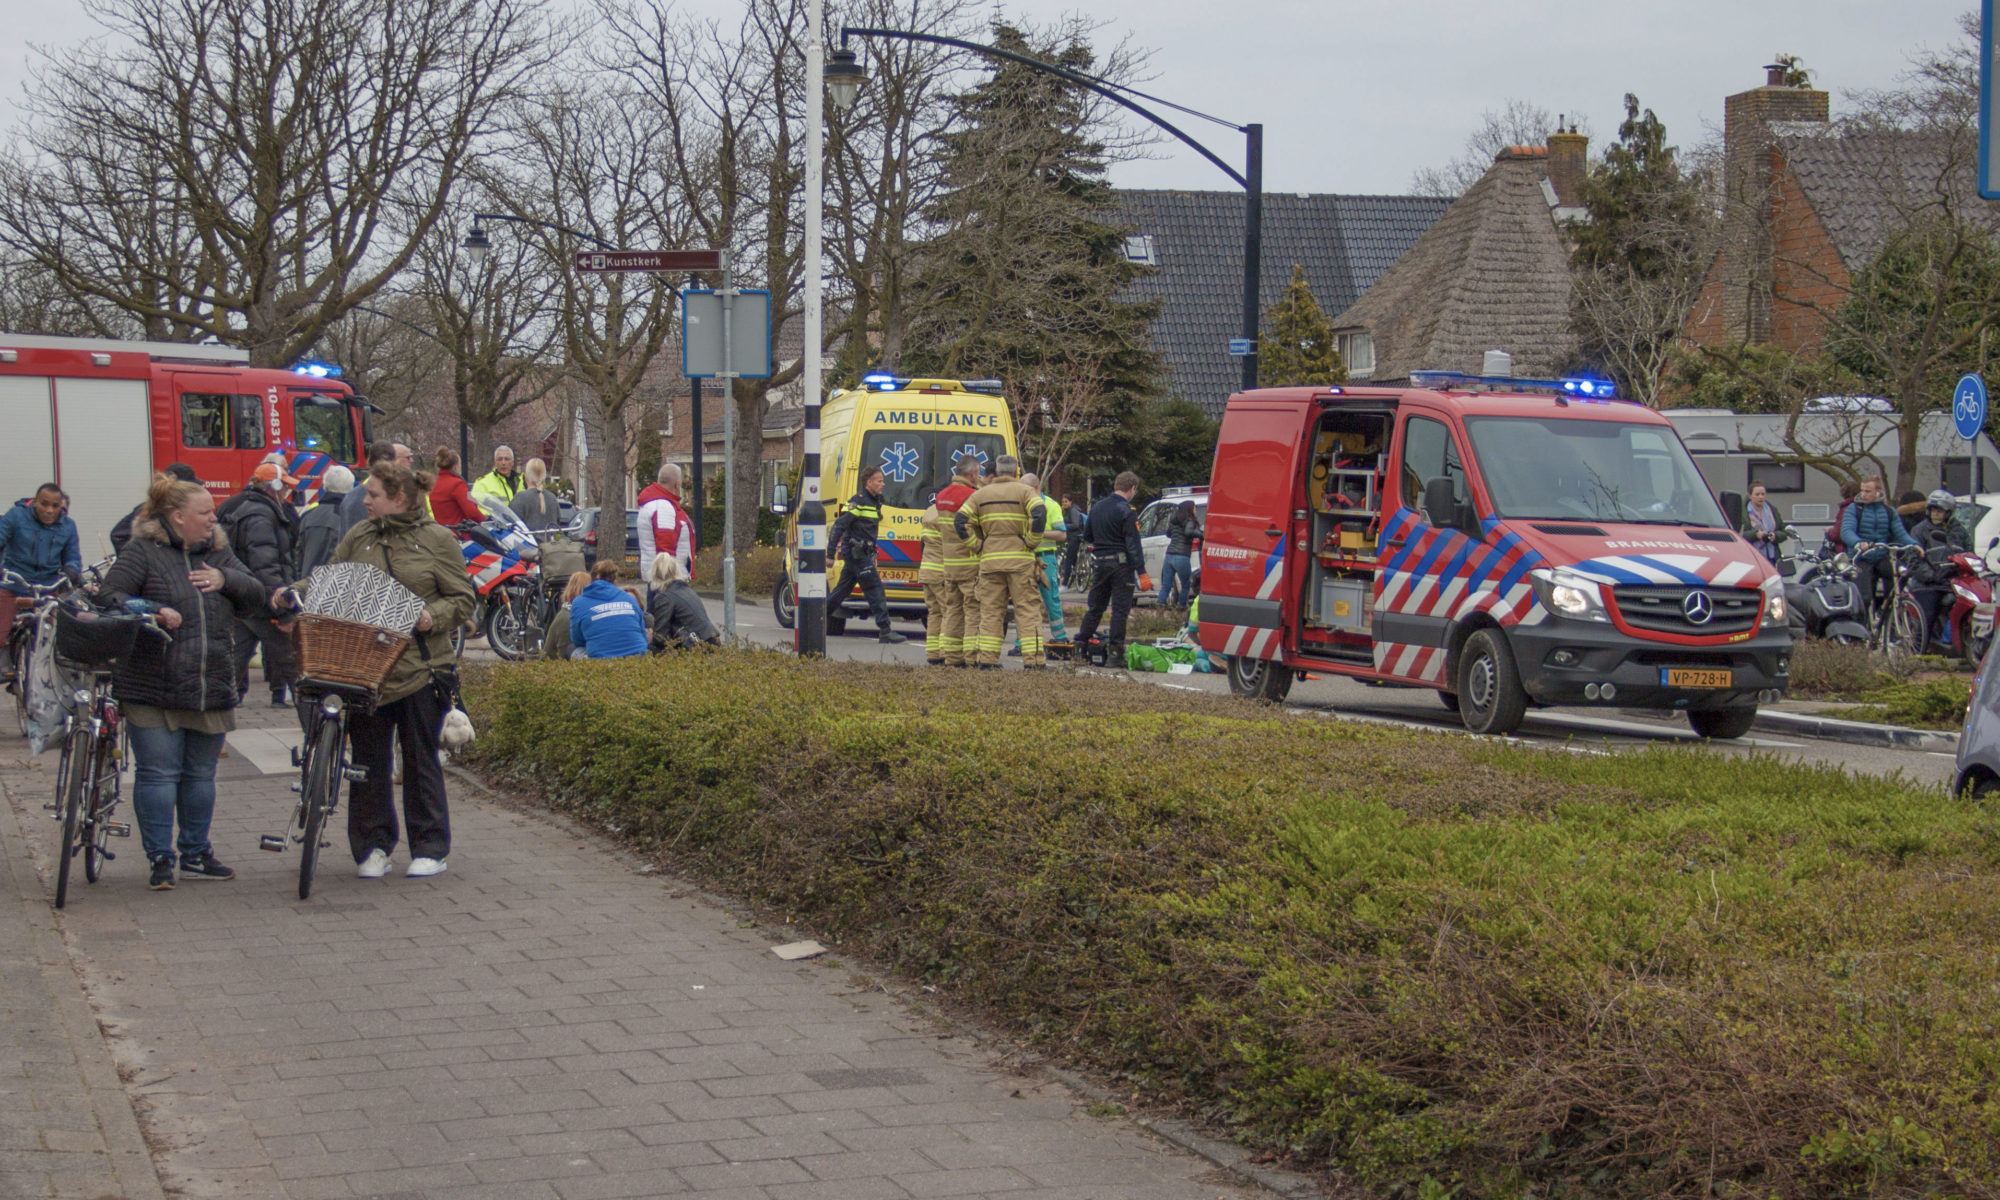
point(1245, 347)
point(1968, 407)
point(1989, 124)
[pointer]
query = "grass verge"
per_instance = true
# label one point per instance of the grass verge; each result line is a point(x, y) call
point(1442, 966)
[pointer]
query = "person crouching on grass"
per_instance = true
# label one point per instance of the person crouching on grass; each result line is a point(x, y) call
point(604, 620)
point(679, 617)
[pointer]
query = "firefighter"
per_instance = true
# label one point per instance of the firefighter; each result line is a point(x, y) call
point(930, 575)
point(854, 537)
point(1116, 563)
point(1007, 517)
point(960, 555)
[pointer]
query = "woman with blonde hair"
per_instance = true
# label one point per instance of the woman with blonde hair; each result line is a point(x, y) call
point(177, 693)
point(555, 643)
point(680, 619)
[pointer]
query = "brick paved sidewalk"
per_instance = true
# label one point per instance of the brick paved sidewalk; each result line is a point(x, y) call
point(542, 1022)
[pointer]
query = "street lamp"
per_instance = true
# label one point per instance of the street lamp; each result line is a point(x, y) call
point(845, 75)
point(476, 245)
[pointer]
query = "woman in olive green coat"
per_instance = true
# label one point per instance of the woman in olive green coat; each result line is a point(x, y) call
point(423, 556)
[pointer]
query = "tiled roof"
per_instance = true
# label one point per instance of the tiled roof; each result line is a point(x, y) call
point(1343, 242)
point(1491, 274)
point(1866, 183)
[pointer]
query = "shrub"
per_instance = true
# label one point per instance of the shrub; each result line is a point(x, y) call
point(1837, 670)
point(758, 569)
point(1442, 965)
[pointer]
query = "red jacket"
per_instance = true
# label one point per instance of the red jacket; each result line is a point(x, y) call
point(451, 501)
point(664, 528)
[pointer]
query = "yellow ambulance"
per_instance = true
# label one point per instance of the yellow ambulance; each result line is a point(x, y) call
point(914, 429)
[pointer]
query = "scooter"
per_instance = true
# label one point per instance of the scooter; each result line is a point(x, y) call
point(1965, 628)
point(1824, 600)
point(504, 561)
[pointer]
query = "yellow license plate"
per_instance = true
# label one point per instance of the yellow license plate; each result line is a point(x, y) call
point(897, 574)
point(1689, 677)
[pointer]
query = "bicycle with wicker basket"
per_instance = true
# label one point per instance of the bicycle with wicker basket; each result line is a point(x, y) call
point(89, 644)
point(354, 625)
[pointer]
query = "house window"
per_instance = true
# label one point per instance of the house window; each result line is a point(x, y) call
point(1357, 350)
point(1778, 477)
point(1139, 250)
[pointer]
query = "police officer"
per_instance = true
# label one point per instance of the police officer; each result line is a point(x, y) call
point(1007, 518)
point(854, 537)
point(960, 552)
point(1116, 561)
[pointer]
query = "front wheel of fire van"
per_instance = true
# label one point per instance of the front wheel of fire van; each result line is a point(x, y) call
point(1259, 679)
point(1490, 697)
point(1723, 723)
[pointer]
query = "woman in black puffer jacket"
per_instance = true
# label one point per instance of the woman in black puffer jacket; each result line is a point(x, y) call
point(177, 694)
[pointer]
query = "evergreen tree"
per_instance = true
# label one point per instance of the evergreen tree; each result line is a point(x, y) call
point(1298, 345)
point(1023, 280)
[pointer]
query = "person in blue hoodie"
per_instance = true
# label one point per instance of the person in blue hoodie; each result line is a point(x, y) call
point(604, 620)
point(1869, 528)
point(38, 542)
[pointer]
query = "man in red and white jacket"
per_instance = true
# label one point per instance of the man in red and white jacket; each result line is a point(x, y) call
point(664, 526)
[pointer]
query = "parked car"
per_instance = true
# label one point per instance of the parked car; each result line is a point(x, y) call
point(1978, 766)
point(1153, 531)
point(584, 529)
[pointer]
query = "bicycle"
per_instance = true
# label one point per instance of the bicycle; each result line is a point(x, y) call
point(1898, 629)
point(30, 600)
point(89, 776)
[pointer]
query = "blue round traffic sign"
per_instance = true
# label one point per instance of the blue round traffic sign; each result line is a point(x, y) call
point(1968, 406)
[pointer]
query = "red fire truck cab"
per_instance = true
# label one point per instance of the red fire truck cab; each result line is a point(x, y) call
point(1505, 542)
point(98, 417)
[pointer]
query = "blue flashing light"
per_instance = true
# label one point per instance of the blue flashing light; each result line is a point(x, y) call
point(317, 370)
point(1582, 387)
point(880, 381)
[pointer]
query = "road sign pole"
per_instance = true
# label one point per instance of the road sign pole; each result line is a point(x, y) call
point(809, 561)
point(729, 480)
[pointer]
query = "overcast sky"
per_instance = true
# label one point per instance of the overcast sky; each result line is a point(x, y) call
point(1356, 96)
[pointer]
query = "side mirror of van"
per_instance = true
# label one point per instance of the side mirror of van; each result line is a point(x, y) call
point(1440, 506)
point(780, 500)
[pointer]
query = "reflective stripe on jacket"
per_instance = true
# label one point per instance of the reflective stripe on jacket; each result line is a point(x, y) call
point(1005, 514)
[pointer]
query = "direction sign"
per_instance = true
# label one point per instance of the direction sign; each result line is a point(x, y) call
point(1968, 407)
point(649, 260)
point(1242, 347)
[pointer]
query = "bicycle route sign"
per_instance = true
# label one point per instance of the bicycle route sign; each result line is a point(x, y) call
point(1968, 406)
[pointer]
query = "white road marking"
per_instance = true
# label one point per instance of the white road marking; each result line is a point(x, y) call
point(269, 750)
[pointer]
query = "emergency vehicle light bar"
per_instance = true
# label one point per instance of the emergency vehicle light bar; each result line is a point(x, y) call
point(1589, 389)
point(318, 370)
point(884, 382)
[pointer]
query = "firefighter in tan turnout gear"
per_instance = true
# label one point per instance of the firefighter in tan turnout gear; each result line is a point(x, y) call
point(1006, 517)
point(960, 627)
point(930, 576)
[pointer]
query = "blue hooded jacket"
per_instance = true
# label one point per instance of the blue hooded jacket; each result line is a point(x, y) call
point(37, 552)
point(1876, 524)
point(604, 622)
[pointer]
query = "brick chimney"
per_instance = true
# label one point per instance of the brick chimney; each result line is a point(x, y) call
point(1747, 255)
point(1568, 160)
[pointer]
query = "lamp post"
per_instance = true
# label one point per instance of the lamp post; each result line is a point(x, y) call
point(809, 574)
point(845, 75)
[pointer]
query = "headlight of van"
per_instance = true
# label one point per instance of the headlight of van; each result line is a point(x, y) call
point(1568, 594)
point(1775, 610)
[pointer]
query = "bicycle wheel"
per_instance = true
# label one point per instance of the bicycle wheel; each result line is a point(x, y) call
point(95, 832)
point(1903, 629)
point(77, 788)
point(321, 791)
point(20, 649)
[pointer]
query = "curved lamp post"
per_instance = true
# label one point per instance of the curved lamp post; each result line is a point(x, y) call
point(845, 76)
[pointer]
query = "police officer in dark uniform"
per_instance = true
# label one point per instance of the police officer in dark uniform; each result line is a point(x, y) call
point(1116, 561)
point(854, 535)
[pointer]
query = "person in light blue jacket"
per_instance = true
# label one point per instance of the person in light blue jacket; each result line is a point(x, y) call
point(604, 620)
point(1868, 528)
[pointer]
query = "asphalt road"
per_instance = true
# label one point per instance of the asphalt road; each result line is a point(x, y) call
point(1586, 730)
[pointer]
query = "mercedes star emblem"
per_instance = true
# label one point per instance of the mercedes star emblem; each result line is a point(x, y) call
point(1698, 608)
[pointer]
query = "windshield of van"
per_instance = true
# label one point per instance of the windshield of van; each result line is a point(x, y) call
point(1541, 468)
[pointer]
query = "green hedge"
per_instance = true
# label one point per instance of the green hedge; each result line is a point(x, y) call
point(1441, 965)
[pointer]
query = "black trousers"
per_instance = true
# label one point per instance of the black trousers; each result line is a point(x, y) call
point(281, 666)
point(862, 575)
point(1112, 583)
point(415, 722)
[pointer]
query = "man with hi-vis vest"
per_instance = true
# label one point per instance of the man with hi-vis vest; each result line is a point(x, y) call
point(1006, 519)
point(959, 628)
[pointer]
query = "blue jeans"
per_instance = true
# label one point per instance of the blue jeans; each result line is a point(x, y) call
point(1181, 565)
point(174, 778)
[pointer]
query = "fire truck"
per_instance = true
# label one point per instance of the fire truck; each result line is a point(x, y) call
point(1503, 541)
point(98, 417)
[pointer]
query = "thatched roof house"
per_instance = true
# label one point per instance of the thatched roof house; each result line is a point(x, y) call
point(1492, 274)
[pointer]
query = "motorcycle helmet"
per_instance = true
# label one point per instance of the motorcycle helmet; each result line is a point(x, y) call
point(1941, 499)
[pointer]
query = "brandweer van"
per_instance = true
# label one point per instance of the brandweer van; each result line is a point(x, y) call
point(1506, 542)
point(914, 429)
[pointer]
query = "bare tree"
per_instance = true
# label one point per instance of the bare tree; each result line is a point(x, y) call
point(250, 170)
point(388, 355)
point(33, 300)
point(1520, 123)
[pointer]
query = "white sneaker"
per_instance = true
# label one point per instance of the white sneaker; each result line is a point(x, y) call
point(420, 867)
point(375, 866)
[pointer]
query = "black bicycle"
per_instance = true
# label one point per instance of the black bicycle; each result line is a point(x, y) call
point(89, 776)
point(323, 766)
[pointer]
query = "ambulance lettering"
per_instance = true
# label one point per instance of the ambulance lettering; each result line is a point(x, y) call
point(901, 419)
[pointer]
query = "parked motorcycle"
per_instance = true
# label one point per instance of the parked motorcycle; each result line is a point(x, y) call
point(1965, 611)
point(1824, 600)
point(515, 602)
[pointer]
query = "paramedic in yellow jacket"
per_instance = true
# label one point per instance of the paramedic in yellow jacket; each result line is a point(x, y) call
point(930, 575)
point(1007, 518)
point(960, 628)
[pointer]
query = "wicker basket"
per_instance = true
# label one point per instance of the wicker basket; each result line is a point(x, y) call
point(347, 652)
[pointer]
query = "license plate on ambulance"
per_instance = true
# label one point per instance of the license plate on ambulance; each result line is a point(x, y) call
point(1693, 677)
point(897, 574)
